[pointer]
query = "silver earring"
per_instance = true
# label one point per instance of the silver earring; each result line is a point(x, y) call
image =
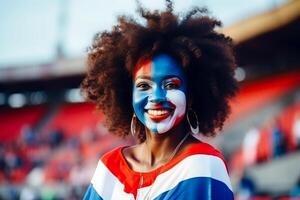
point(196, 129)
point(132, 125)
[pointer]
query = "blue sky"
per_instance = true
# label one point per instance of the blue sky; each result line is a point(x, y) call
point(31, 30)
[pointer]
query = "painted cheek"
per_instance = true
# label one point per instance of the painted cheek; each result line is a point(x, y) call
point(178, 98)
point(139, 100)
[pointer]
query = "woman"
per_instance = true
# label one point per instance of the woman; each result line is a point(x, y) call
point(160, 82)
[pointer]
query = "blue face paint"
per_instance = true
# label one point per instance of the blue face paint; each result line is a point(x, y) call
point(159, 93)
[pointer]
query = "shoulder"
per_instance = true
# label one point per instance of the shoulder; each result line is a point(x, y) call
point(207, 161)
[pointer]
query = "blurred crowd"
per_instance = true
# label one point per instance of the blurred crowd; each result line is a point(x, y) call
point(51, 165)
point(275, 138)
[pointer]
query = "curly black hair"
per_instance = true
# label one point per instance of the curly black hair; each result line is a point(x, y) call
point(206, 56)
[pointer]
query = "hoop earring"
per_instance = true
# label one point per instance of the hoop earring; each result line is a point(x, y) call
point(196, 129)
point(132, 125)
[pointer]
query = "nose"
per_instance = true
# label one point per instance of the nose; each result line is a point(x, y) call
point(158, 95)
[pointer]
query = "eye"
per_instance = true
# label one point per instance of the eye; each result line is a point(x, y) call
point(143, 86)
point(171, 86)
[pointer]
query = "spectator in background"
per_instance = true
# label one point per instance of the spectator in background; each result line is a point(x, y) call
point(250, 146)
point(56, 137)
point(296, 129)
point(28, 135)
point(2, 159)
point(279, 140)
point(265, 143)
point(246, 188)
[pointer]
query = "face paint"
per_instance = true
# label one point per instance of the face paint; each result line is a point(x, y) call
point(159, 93)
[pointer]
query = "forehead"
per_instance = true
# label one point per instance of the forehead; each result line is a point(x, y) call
point(158, 66)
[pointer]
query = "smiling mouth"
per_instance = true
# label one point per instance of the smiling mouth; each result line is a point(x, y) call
point(159, 114)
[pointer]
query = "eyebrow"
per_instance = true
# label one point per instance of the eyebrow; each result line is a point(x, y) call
point(143, 77)
point(164, 77)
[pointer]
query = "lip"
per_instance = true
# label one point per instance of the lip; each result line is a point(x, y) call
point(158, 114)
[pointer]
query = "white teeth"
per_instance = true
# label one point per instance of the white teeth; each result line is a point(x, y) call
point(157, 112)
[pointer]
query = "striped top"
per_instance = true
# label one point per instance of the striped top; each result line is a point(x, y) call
point(199, 172)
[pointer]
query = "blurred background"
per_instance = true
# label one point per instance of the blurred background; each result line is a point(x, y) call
point(51, 140)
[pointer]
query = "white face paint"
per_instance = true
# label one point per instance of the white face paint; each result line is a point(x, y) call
point(159, 89)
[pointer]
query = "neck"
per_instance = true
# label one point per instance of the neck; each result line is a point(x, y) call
point(158, 148)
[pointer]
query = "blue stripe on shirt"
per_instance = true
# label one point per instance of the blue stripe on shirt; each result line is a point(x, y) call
point(91, 194)
point(203, 188)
